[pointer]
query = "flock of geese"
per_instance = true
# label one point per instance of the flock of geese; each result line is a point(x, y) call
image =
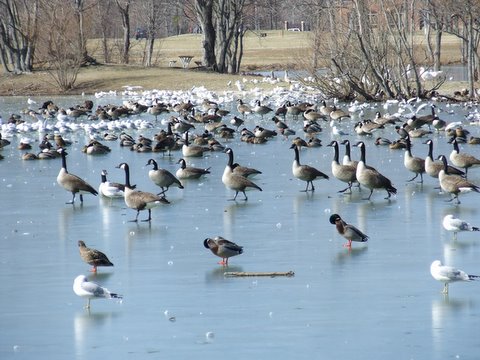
point(179, 134)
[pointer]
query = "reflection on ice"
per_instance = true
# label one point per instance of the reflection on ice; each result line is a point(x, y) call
point(445, 312)
point(86, 322)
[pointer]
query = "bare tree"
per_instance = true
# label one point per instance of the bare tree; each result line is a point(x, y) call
point(58, 45)
point(468, 32)
point(370, 51)
point(151, 11)
point(18, 34)
point(81, 7)
point(222, 26)
point(104, 23)
point(124, 8)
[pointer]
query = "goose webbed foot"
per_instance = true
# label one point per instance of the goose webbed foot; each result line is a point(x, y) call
point(349, 187)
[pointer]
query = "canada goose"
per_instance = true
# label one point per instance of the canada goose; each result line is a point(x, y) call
point(367, 127)
point(24, 146)
point(312, 129)
point(454, 184)
point(234, 181)
point(28, 156)
point(383, 120)
point(433, 167)
point(286, 132)
point(313, 142)
point(338, 114)
point(126, 139)
point(47, 154)
point(61, 142)
point(244, 170)
point(222, 248)
point(188, 172)
point(399, 144)
point(225, 132)
point(382, 141)
point(90, 290)
point(324, 109)
point(349, 232)
point(413, 163)
point(93, 257)
point(305, 172)
point(418, 121)
point(192, 150)
point(281, 111)
point(110, 137)
point(95, 148)
point(243, 108)
point(45, 144)
point(293, 110)
point(403, 130)
point(208, 104)
point(166, 141)
point(144, 140)
point(279, 123)
point(71, 182)
point(312, 115)
point(439, 124)
point(261, 109)
point(157, 110)
point(462, 160)
point(417, 133)
point(162, 177)
point(110, 189)
point(183, 106)
point(347, 160)
point(345, 173)
point(299, 142)
point(448, 274)
point(261, 132)
point(181, 126)
point(236, 121)
point(371, 178)
point(455, 225)
point(215, 145)
point(140, 200)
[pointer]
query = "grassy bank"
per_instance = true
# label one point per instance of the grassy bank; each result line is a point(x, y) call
point(277, 50)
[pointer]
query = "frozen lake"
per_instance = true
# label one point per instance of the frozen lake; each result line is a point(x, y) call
point(375, 301)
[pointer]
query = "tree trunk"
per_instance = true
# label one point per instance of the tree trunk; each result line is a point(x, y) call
point(149, 54)
point(204, 10)
point(125, 14)
point(470, 52)
point(438, 49)
point(18, 34)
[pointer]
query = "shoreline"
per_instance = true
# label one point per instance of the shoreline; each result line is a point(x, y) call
point(103, 78)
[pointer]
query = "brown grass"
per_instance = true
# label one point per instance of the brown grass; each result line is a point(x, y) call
point(278, 50)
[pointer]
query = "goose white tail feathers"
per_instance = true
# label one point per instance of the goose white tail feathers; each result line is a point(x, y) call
point(371, 178)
